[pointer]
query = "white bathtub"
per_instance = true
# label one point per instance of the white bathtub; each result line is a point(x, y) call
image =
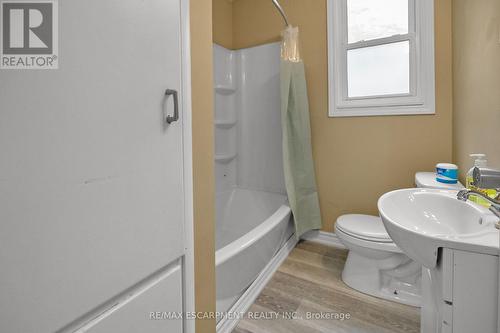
point(251, 227)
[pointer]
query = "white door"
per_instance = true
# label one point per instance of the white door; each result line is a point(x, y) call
point(91, 175)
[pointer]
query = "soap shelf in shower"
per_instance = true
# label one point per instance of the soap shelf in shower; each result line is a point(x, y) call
point(224, 158)
point(224, 89)
point(225, 123)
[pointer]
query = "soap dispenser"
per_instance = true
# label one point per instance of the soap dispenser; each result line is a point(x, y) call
point(480, 161)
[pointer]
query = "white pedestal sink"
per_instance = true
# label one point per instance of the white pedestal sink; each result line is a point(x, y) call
point(422, 220)
point(432, 227)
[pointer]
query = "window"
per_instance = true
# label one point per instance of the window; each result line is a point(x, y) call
point(381, 57)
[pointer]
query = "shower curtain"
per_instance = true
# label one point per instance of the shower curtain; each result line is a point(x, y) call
point(297, 153)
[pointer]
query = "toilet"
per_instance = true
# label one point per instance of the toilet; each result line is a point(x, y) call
point(375, 265)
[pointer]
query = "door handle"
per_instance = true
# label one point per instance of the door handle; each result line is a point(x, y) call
point(175, 117)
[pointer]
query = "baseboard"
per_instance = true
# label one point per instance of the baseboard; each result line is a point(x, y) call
point(226, 325)
point(323, 237)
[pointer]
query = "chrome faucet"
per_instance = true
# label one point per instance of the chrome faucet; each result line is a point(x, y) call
point(484, 178)
point(495, 204)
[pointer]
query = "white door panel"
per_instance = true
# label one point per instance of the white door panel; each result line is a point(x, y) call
point(162, 299)
point(91, 193)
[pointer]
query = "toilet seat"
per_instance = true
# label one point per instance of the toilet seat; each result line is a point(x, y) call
point(365, 227)
point(366, 244)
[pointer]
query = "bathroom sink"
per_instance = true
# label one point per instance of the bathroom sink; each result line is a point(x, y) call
point(420, 221)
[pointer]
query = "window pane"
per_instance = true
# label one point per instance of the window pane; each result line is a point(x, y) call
point(372, 19)
point(379, 70)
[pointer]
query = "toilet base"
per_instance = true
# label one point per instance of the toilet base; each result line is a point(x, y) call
point(395, 278)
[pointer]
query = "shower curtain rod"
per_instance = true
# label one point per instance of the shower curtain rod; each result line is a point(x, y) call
point(282, 12)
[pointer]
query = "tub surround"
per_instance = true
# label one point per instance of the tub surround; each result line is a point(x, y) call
point(247, 121)
point(252, 212)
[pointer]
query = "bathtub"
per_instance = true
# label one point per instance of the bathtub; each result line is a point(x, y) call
point(251, 227)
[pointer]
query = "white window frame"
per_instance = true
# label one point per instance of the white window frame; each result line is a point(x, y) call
point(420, 100)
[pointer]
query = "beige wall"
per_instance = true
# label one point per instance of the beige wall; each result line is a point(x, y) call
point(357, 159)
point(476, 81)
point(223, 23)
point(203, 173)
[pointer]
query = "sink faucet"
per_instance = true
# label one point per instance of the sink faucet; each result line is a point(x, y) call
point(495, 204)
point(484, 178)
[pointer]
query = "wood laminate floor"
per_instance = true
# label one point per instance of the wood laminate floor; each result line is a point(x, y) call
point(308, 283)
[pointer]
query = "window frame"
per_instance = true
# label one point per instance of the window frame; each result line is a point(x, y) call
point(420, 100)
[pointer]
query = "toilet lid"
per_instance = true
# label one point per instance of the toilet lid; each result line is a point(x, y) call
point(366, 227)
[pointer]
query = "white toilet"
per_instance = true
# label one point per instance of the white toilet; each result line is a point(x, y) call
point(375, 265)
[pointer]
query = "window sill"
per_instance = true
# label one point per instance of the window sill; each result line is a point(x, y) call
point(381, 111)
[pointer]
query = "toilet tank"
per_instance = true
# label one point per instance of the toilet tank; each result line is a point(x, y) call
point(428, 180)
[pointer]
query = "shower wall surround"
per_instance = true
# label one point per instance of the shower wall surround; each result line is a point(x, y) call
point(248, 152)
point(252, 215)
point(225, 118)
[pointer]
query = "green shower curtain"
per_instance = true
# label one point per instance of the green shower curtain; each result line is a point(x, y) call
point(297, 153)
